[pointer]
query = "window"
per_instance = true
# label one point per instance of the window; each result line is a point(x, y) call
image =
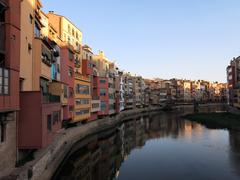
point(110, 85)
point(111, 96)
point(95, 105)
point(82, 112)
point(70, 55)
point(82, 101)
point(3, 127)
point(37, 30)
point(46, 56)
point(49, 122)
point(77, 35)
point(103, 106)
point(65, 91)
point(2, 13)
point(82, 89)
point(103, 92)
point(69, 29)
point(44, 86)
point(69, 39)
point(70, 92)
point(90, 65)
point(58, 68)
point(30, 19)
point(70, 72)
point(4, 81)
point(102, 81)
point(56, 117)
point(111, 106)
point(73, 33)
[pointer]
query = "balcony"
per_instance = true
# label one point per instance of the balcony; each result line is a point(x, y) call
point(2, 37)
point(49, 98)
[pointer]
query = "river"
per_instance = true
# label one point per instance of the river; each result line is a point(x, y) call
point(153, 147)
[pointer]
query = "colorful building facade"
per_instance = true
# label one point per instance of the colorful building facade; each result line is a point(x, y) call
point(40, 109)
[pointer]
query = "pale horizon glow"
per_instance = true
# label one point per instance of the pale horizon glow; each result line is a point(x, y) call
point(159, 38)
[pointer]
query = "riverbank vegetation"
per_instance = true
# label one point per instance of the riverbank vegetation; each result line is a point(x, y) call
point(223, 120)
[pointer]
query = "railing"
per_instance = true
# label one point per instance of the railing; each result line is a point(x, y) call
point(49, 98)
point(2, 37)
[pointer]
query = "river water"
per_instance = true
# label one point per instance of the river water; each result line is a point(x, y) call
point(155, 147)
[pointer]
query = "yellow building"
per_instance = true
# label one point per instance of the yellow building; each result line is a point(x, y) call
point(66, 30)
point(82, 105)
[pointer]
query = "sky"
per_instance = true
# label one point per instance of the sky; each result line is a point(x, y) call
point(190, 39)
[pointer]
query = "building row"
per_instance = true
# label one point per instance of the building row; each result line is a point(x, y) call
point(178, 91)
point(49, 79)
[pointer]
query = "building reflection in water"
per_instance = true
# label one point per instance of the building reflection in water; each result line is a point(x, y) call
point(234, 152)
point(100, 157)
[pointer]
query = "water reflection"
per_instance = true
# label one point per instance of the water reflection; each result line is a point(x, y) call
point(160, 146)
point(234, 138)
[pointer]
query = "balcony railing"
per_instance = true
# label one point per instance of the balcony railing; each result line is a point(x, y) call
point(49, 98)
point(2, 37)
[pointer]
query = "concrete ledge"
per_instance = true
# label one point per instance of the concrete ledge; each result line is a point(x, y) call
point(48, 159)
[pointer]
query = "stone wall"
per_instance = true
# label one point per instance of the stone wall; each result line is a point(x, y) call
point(8, 147)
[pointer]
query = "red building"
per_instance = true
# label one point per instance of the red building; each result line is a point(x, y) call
point(38, 128)
point(9, 81)
point(67, 78)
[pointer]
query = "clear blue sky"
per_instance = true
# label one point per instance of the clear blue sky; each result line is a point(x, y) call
point(192, 39)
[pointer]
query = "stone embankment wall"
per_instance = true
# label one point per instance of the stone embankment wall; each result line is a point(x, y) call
point(47, 160)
